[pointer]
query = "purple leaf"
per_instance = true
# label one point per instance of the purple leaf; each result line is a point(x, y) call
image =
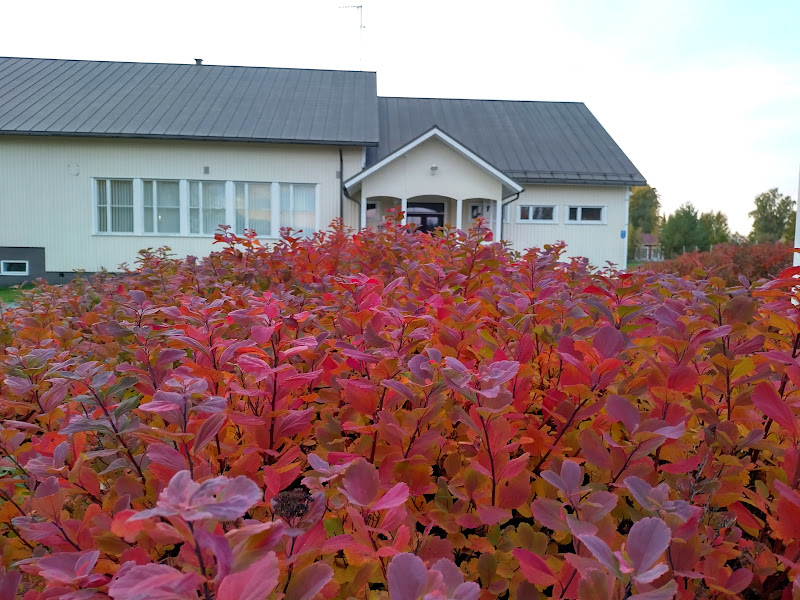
point(360, 483)
point(665, 592)
point(68, 567)
point(9, 584)
point(220, 498)
point(621, 409)
point(647, 541)
point(141, 582)
point(608, 341)
point(208, 430)
point(601, 552)
point(407, 577)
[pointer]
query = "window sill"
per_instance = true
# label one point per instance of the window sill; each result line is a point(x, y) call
point(586, 223)
point(536, 222)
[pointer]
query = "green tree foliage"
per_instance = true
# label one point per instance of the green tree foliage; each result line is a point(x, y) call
point(771, 216)
point(716, 227)
point(683, 232)
point(644, 208)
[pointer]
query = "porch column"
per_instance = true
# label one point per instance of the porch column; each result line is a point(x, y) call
point(498, 221)
point(459, 212)
point(404, 208)
point(363, 212)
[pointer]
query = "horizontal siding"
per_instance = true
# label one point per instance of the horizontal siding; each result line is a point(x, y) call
point(44, 205)
point(600, 243)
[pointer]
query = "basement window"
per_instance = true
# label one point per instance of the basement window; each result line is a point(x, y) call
point(18, 268)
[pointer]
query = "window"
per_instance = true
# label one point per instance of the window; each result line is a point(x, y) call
point(206, 206)
point(537, 214)
point(298, 207)
point(115, 205)
point(162, 207)
point(587, 214)
point(14, 267)
point(253, 208)
point(193, 207)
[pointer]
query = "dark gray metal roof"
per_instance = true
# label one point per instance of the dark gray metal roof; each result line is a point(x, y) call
point(531, 142)
point(174, 101)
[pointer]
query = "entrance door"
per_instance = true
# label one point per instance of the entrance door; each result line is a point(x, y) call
point(485, 209)
point(427, 216)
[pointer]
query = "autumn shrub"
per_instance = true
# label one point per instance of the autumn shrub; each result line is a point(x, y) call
point(730, 262)
point(395, 415)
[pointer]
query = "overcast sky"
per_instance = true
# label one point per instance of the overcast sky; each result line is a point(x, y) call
point(703, 96)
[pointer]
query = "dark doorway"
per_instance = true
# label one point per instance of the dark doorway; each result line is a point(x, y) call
point(427, 216)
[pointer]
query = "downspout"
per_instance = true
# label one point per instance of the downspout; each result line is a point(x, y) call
point(500, 227)
point(341, 185)
point(624, 265)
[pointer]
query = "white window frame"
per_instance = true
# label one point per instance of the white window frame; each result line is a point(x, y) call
point(137, 205)
point(580, 208)
point(378, 211)
point(277, 222)
point(155, 231)
point(553, 221)
point(3, 268)
point(184, 190)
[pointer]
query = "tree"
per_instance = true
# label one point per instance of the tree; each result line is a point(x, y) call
point(716, 227)
point(683, 232)
point(644, 208)
point(771, 215)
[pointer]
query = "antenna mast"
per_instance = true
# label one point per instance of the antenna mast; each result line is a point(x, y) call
point(360, 8)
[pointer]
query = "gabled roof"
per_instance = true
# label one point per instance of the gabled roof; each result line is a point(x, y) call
point(434, 132)
point(175, 101)
point(531, 142)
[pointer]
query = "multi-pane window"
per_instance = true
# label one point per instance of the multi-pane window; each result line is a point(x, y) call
point(586, 214)
point(253, 207)
point(206, 206)
point(162, 206)
point(115, 205)
point(537, 214)
point(182, 207)
point(373, 215)
point(298, 202)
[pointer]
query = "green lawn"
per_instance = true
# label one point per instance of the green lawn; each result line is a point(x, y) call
point(8, 295)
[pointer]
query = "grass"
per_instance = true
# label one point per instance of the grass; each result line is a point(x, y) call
point(8, 294)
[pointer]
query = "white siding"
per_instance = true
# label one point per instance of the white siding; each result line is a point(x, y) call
point(597, 242)
point(45, 204)
point(410, 176)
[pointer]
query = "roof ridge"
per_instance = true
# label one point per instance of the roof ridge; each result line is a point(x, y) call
point(135, 62)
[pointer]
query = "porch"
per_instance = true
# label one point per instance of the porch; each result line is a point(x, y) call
point(430, 211)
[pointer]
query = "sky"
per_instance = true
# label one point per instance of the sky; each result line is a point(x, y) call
point(703, 96)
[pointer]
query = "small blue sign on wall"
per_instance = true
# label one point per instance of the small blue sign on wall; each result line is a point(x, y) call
point(623, 233)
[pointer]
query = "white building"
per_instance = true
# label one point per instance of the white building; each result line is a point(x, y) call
point(101, 159)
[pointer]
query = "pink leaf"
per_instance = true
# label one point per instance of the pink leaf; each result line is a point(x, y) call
point(767, 400)
point(515, 467)
point(67, 567)
point(157, 581)
point(360, 483)
point(549, 513)
point(394, 497)
point(208, 430)
point(256, 582)
point(593, 449)
point(597, 506)
point(309, 581)
point(601, 552)
point(665, 592)
point(621, 409)
point(407, 577)
point(647, 541)
point(534, 568)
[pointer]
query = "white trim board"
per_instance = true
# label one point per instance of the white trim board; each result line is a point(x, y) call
point(351, 183)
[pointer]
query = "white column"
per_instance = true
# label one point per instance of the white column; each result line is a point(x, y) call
point(498, 221)
point(363, 212)
point(404, 208)
point(624, 264)
point(459, 212)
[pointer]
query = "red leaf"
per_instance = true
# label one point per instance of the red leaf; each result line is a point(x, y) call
point(309, 581)
point(256, 582)
point(767, 400)
point(533, 568)
point(608, 341)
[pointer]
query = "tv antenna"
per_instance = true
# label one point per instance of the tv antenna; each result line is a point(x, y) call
point(360, 8)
